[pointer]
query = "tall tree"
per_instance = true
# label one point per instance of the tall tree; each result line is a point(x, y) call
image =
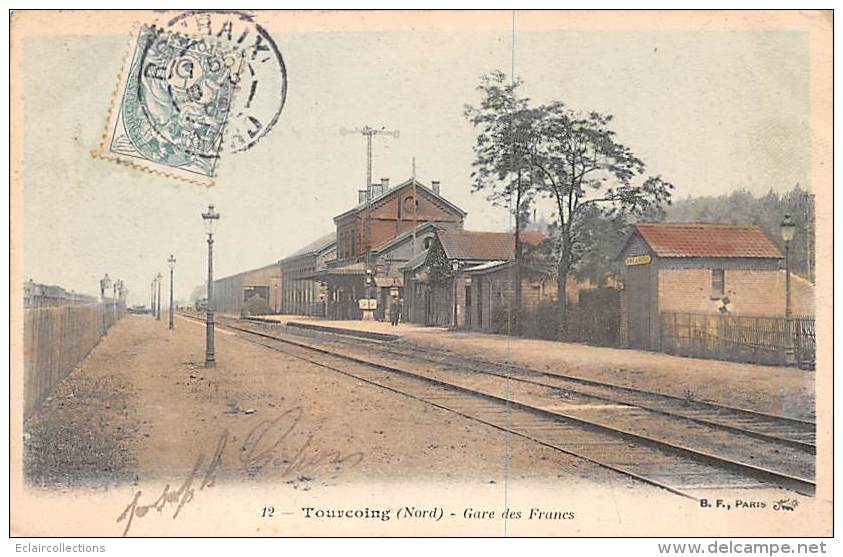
point(572, 158)
point(506, 131)
point(589, 175)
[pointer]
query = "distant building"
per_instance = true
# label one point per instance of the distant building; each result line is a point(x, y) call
point(41, 295)
point(704, 269)
point(230, 293)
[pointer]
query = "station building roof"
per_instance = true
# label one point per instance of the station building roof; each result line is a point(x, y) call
point(317, 246)
point(389, 192)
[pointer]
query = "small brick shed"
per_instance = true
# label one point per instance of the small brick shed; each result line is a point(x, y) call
point(696, 268)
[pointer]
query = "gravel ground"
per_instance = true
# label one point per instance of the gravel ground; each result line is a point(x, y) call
point(775, 390)
point(143, 407)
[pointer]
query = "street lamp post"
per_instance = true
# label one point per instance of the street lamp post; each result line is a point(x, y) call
point(105, 285)
point(114, 297)
point(152, 297)
point(171, 261)
point(210, 218)
point(118, 299)
point(114, 289)
point(158, 301)
point(788, 230)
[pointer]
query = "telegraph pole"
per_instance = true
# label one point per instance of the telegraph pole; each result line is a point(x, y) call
point(369, 132)
point(415, 209)
point(158, 299)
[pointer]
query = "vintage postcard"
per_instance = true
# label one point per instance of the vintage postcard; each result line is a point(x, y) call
point(421, 273)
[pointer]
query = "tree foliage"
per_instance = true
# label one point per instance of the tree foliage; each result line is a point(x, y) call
point(572, 158)
point(505, 127)
point(507, 132)
point(198, 293)
point(766, 211)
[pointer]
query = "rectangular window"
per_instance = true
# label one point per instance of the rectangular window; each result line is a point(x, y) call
point(718, 283)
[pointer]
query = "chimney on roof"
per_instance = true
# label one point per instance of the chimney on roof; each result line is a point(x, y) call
point(435, 186)
point(384, 184)
point(361, 196)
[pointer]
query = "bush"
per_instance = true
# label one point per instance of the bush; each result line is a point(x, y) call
point(255, 305)
point(548, 320)
point(505, 321)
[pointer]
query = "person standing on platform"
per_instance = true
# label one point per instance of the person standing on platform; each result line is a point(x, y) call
point(394, 311)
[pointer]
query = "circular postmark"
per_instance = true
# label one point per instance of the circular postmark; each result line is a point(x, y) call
point(262, 89)
point(182, 89)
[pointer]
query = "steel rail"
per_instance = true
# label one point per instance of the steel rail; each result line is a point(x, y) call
point(788, 481)
point(737, 413)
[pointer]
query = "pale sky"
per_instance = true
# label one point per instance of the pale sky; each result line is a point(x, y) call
point(711, 111)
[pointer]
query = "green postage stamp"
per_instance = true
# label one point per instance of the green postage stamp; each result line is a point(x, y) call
point(170, 112)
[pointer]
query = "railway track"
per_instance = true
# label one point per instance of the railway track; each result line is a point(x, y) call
point(637, 449)
point(781, 430)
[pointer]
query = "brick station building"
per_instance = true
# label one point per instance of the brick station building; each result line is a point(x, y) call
point(702, 269)
point(388, 227)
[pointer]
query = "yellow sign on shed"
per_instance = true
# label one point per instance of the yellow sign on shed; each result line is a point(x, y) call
point(637, 260)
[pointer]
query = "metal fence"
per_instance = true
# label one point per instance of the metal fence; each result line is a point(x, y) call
point(55, 340)
point(760, 340)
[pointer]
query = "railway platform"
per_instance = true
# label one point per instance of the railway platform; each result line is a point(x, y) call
point(786, 391)
point(356, 327)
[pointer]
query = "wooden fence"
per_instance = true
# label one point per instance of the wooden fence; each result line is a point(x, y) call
point(760, 340)
point(56, 339)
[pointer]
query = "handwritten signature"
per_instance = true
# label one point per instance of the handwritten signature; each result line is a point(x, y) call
point(266, 446)
point(785, 505)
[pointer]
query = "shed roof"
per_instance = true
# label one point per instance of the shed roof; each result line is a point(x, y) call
point(484, 246)
point(352, 269)
point(688, 239)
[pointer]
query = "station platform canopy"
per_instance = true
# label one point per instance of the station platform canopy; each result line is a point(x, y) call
point(345, 271)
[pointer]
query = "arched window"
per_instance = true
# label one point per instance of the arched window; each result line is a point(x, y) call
point(427, 242)
point(409, 205)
